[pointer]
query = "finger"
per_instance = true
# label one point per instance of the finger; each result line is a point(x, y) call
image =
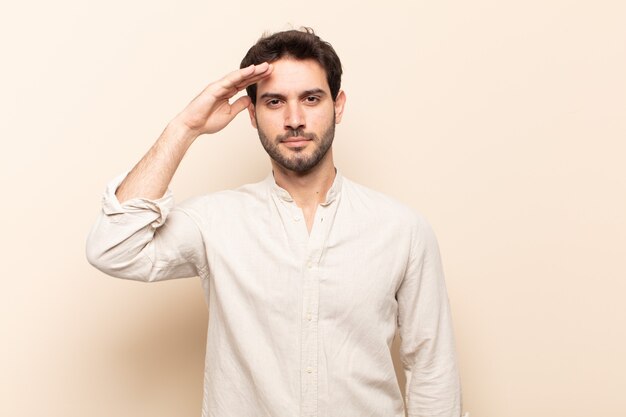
point(253, 80)
point(237, 80)
point(224, 89)
point(238, 77)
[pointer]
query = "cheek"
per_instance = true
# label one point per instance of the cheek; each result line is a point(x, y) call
point(322, 118)
point(268, 127)
point(269, 120)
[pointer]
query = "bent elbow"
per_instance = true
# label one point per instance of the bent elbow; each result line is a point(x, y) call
point(118, 263)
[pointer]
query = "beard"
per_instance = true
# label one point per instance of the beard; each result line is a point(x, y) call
point(297, 159)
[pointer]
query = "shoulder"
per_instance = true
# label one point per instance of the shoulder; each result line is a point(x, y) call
point(377, 203)
point(383, 211)
point(247, 195)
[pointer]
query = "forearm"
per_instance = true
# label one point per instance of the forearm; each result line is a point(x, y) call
point(209, 112)
point(153, 173)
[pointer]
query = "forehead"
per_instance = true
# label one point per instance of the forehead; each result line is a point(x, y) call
point(294, 75)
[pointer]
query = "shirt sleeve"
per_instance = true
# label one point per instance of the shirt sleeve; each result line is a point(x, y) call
point(427, 342)
point(146, 240)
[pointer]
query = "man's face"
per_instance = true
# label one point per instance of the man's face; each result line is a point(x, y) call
point(295, 114)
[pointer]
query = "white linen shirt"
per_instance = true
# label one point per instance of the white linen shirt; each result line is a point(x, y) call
point(299, 324)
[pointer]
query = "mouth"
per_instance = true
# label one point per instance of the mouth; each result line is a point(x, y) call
point(295, 142)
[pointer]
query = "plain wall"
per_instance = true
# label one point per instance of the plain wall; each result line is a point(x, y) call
point(502, 122)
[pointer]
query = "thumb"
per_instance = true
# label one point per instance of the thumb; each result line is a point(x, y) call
point(239, 104)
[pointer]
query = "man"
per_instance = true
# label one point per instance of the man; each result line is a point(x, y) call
point(307, 275)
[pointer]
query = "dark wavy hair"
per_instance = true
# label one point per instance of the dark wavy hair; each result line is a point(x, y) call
point(298, 44)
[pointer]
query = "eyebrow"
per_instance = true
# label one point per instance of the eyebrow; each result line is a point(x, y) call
point(313, 91)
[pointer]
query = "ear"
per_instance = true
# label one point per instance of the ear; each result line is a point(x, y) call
point(340, 102)
point(252, 113)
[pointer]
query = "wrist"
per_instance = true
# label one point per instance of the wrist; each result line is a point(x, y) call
point(179, 130)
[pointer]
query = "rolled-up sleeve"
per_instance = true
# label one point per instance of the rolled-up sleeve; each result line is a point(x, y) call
point(427, 347)
point(146, 240)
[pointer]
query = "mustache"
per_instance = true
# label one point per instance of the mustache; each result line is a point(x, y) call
point(292, 133)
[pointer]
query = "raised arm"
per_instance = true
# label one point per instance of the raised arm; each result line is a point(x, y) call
point(139, 234)
point(209, 112)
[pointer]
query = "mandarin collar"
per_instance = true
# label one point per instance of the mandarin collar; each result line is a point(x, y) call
point(284, 195)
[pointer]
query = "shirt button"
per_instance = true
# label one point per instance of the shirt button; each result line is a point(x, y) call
point(309, 369)
point(309, 265)
point(296, 218)
point(309, 316)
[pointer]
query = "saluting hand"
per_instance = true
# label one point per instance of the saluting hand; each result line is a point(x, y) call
point(211, 110)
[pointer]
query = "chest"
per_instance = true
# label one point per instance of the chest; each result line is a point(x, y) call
point(345, 265)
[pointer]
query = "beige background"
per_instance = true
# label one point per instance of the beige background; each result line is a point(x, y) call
point(502, 122)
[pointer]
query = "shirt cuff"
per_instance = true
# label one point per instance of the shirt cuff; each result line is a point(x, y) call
point(111, 205)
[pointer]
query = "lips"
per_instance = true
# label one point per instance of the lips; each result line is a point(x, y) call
point(295, 141)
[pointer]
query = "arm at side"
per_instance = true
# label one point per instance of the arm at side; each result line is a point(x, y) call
point(426, 335)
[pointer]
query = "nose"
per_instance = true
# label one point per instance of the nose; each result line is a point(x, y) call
point(294, 116)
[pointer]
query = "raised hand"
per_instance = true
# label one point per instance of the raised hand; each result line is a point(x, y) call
point(211, 110)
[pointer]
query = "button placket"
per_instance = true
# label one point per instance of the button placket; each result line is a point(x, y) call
point(310, 374)
point(310, 323)
point(309, 341)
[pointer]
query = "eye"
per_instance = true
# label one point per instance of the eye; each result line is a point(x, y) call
point(311, 99)
point(274, 102)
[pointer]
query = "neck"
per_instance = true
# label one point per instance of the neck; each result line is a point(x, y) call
point(308, 189)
